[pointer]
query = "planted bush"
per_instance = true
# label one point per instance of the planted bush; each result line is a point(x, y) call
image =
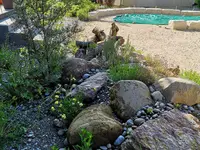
point(81, 8)
point(67, 108)
point(198, 2)
point(45, 18)
point(17, 82)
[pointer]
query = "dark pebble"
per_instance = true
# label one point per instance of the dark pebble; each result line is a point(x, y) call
point(155, 116)
point(139, 121)
point(170, 105)
point(155, 110)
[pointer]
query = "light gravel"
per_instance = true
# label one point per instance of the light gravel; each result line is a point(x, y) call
point(174, 47)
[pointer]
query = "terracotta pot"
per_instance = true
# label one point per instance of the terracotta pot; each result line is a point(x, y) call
point(1, 2)
point(8, 4)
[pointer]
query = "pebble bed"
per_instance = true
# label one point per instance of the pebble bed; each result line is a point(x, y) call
point(146, 113)
point(51, 131)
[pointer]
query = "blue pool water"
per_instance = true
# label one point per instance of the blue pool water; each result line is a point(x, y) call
point(157, 19)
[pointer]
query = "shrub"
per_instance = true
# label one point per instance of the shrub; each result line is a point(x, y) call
point(45, 17)
point(9, 129)
point(110, 52)
point(191, 75)
point(72, 47)
point(127, 50)
point(67, 108)
point(198, 2)
point(128, 72)
point(81, 8)
point(86, 140)
point(16, 80)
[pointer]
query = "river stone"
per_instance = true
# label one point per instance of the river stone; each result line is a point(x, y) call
point(157, 96)
point(177, 90)
point(76, 68)
point(139, 121)
point(91, 86)
point(173, 130)
point(128, 96)
point(99, 120)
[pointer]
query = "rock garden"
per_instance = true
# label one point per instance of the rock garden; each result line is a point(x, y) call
point(102, 94)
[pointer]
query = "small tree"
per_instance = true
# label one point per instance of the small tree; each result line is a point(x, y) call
point(45, 18)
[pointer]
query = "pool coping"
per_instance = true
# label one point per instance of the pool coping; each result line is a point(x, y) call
point(175, 24)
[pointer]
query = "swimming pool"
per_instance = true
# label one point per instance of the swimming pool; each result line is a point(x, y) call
point(156, 19)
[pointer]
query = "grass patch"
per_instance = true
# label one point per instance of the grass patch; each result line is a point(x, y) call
point(191, 75)
point(131, 72)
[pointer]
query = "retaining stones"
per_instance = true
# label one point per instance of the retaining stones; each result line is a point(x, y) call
point(193, 25)
point(171, 12)
point(174, 24)
point(178, 24)
point(153, 10)
point(190, 13)
point(184, 25)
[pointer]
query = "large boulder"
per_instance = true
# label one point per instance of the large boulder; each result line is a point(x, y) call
point(90, 87)
point(97, 119)
point(174, 130)
point(76, 68)
point(177, 90)
point(128, 96)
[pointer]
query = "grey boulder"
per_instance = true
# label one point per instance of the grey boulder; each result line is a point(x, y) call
point(128, 96)
point(173, 130)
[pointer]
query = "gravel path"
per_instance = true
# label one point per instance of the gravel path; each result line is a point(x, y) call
point(175, 47)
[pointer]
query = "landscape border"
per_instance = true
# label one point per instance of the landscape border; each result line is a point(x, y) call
point(177, 25)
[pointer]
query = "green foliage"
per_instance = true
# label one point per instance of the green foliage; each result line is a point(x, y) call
point(54, 147)
point(149, 110)
point(15, 72)
point(110, 51)
point(115, 54)
point(191, 75)
point(198, 3)
point(128, 72)
point(128, 49)
point(9, 129)
point(81, 8)
point(72, 47)
point(177, 105)
point(86, 140)
point(67, 108)
point(44, 17)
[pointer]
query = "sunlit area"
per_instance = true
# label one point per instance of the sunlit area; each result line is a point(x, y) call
point(99, 75)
